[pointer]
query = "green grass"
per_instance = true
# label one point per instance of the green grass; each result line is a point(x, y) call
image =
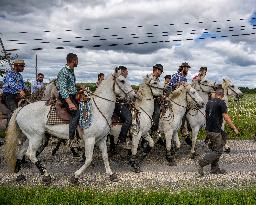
point(51, 195)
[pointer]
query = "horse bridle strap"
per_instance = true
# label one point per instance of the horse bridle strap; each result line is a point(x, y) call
point(103, 98)
point(102, 113)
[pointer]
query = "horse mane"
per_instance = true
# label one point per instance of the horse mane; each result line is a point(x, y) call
point(178, 91)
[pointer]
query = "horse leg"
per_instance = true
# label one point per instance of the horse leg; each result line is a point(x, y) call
point(89, 147)
point(112, 145)
point(34, 143)
point(133, 161)
point(176, 139)
point(147, 144)
point(41, 148)
point(60, 141)
point(195, 131)
point(169, 150)
point(19, 161)
point(104, 151)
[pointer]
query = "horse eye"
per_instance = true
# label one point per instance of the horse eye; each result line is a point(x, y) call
point(122, 81)
point(155, 83)
point(232, 86)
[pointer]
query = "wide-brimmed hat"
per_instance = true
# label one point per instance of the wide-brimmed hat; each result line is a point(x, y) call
point(185, 65)
point(159, 66)
point(19, 62)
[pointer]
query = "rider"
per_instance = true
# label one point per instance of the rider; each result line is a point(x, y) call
point(13, 86)
point(39, 84)
point(100, 79)
point(177, 79)
point(157, 71)
point(66, 83)
point(200, 75)
point(167, 80)
point(122, 110)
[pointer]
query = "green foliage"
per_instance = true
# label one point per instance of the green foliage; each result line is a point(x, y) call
point(247, 90)
point(53, 195)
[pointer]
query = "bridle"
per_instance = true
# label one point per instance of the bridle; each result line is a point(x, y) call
point(206, 85)
point(113, 87)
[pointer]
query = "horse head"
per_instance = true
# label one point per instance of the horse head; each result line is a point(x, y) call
point(204, 86)
point(230, 89)
point(50, 91)
point(193, 98)
point(122, 88)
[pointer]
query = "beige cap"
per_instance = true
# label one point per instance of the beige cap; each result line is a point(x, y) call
point(19, 62)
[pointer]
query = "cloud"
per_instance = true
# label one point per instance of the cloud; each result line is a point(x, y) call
point(106, 18)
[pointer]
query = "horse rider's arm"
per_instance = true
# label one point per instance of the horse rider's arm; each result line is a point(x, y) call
point(227, 118)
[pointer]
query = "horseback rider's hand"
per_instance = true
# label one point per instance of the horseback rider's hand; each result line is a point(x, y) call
point(22, 94)
point(71, 106)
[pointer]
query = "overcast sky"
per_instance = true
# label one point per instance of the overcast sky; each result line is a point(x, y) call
point(218, 34)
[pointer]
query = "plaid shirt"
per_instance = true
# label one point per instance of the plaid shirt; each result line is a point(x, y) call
point(13, 82)
point(176, 78)
point(66, 82)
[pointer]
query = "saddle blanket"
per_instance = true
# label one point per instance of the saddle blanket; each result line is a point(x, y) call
point(85, 119)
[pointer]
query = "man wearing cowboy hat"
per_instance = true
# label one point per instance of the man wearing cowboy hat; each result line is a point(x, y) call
point(13, 86)
point(157, 71)
point(179, 77)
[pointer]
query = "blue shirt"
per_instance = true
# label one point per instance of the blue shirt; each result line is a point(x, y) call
point(176, 78)
point(13, 82)
point(37, 86)
point(66, 82)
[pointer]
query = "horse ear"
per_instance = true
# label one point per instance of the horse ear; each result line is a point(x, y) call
point(117, 72)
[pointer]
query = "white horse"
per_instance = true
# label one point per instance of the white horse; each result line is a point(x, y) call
point(144, 104)
point(170, 122)
point(31, 121)
point(196, 117)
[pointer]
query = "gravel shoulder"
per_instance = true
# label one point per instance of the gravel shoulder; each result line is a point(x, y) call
point(240, 164)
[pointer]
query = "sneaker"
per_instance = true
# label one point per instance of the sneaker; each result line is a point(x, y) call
point(218, 171)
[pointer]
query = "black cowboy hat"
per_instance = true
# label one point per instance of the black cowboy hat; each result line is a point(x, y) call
point(185, 65)
point(159, 66)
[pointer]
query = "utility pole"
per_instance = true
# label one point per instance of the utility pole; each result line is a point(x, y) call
point(5, 53)
point(36, 66)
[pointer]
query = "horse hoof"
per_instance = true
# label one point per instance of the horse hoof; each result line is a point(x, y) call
point(21, 178)
point(227, 150)
point(172, 164)
point(113, 177)
point(73, 180)
point(47, 180)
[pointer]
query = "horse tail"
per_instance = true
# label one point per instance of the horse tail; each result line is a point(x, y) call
point(11, 140)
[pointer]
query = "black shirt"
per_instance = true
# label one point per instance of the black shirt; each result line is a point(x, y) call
point(214, 110)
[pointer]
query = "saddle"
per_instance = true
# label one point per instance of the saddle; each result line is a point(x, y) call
point(57, 114)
